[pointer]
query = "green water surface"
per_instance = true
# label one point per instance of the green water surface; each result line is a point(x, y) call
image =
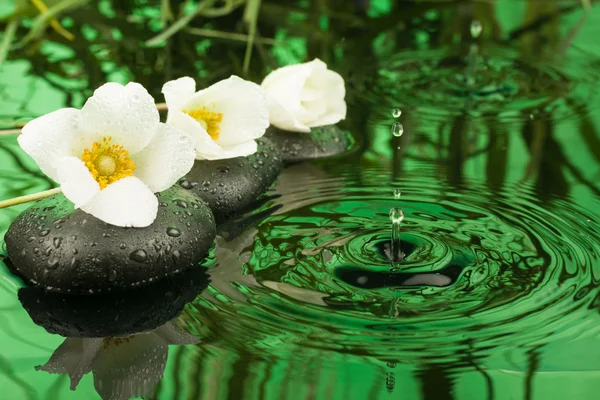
point(498, 169)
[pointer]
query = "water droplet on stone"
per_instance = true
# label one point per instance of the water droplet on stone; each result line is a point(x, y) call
point(112, 275)
point(224, 169)
point(173, 232)
point(397, 129)
point(396, 112)
point(52, 263)
point(122, 246)
point(180, 203)
point(44, 232)
point(138, 255)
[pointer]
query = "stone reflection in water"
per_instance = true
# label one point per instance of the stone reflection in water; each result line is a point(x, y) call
point(122, 338)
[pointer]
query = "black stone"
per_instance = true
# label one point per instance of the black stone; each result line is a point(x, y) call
point(65, 250)
point(117, 313)
point(232, 185)
point(321, 142)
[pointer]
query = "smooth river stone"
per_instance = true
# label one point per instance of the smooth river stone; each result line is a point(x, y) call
point(65, 250)
point(321, 142)
point(230, 186)
point(114, 314)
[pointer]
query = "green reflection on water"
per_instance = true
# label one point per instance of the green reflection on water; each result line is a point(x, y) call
point(498, 167)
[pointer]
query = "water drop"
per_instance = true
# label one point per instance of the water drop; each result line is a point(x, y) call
point(112, 275)
point(396, 215)
point(390, 382)
point(138, 255)
point(397, 129)
point(476, 28)
point(44, 232)
point(397, 193)
point(396, 112)
point(123, 246)
point(361, 280)
point(180, 203)
point(52, 263)
point(173, 232)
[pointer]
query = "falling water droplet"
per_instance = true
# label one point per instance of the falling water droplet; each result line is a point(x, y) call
point(396, 112)
point(396, 215)
point(397, 193)
point(397, 129)
point(476, 28)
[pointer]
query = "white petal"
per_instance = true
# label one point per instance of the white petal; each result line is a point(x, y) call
point(316, 107)
point(243, 105)
point(172, 334)
point(205, 146)
point(130, 369)
point(125, 113)
point(178, 92)
point(283, 118)
point(76, 181)
point(310, 94)
point(335, 91)
point(74, 357)
point(167, 158)
point(48, 138)
point(127, 202)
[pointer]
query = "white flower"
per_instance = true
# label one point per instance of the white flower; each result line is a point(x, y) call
point(111, 156)
point(122, 367)
point(305, 96)
point(225, 118)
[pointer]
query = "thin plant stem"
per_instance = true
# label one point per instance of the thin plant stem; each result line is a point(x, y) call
point(7, 38)
point(179, 24)
point(30, 197)
point(43, 8)
point(231, 36)
point(251, 18)
point(8, 132)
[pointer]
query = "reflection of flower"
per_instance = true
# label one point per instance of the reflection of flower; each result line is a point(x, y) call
point(111, 156)
point(224, 119)
point(304, 96)
point(122, 367)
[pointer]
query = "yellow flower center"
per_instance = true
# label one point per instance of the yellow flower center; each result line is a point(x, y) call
point(107, 162)
point(209, 120)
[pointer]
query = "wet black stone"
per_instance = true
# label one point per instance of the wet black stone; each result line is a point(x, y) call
point(114, 314)
point(321, 142)
point(65, 250)
point(232, 185)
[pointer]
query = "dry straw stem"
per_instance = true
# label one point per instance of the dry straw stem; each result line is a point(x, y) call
point(30, 197)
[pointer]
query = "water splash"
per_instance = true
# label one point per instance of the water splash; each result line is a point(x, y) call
point(396, 256)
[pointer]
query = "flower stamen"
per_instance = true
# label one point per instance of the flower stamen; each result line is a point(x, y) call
point(209, 120)
point(108, 162)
